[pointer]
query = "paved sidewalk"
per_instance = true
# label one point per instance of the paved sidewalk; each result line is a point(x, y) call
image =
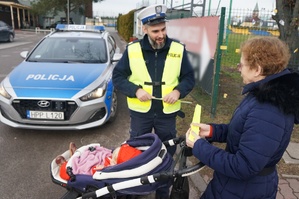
point(288, 187)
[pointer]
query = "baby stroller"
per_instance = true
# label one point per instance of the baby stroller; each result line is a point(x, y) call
point(141, 175)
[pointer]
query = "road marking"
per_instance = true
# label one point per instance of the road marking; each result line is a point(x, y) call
point(13, 44)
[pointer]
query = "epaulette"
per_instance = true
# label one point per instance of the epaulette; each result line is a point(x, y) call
point(178, 41)
point(132, 42)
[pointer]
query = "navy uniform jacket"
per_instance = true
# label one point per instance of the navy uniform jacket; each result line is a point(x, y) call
point(155, 60)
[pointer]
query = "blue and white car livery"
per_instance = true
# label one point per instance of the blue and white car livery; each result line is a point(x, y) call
point(64, 83)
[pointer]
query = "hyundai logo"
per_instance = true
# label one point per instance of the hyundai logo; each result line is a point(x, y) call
point(43, 103)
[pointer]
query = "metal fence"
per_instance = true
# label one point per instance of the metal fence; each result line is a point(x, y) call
point(237, 26)
point(242, 24)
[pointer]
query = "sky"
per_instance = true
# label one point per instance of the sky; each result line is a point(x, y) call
point(114, 7)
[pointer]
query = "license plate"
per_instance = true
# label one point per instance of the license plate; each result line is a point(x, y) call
point(48, 115)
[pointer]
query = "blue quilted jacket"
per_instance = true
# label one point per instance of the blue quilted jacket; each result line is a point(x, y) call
point(257, 136)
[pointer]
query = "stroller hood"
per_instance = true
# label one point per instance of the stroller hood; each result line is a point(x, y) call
point(153, 159)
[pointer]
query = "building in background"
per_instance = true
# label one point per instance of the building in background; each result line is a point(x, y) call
point(17, 14)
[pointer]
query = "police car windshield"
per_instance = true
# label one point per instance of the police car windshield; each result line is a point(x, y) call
point(70, 50)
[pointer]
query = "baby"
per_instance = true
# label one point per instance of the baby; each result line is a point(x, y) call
point(119, 155)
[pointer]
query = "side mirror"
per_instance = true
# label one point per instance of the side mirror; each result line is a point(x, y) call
point(24, 54)
point(117, 57)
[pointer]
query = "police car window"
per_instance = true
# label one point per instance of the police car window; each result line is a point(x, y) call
point(85, 50)
point(112, 46)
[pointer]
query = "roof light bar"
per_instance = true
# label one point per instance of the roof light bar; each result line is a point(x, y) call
point(79, 27)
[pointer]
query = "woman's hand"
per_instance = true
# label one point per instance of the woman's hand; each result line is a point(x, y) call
point(190, 142)
point(204, 129)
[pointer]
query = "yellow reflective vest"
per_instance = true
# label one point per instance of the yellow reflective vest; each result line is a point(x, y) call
point(140, 75)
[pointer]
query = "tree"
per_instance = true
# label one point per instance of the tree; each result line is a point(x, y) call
point(52, 7)
point(287, 18)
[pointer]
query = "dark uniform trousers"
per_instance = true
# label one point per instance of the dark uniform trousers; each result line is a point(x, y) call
point(165, 128)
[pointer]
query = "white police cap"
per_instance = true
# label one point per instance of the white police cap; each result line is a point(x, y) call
point(153, 14)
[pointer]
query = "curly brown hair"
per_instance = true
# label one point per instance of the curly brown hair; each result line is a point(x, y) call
point(270, 53)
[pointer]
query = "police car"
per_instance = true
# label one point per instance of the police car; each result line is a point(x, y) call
point(64, 83)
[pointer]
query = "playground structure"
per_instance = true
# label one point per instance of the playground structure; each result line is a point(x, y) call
point(253, 30)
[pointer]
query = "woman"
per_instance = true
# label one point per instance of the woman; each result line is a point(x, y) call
point(260, 128)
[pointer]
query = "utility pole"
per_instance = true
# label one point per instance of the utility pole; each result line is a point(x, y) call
point(68, 12)
point(191, 8)
point(201, 4)
point(209, 11)
point(228, 21)
point(230, 11)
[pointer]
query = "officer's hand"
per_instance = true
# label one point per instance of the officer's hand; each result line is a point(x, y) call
point(142, 95)
point(172, 97)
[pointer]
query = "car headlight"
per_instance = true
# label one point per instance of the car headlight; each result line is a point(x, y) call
point(4, 93)
point(95, 94)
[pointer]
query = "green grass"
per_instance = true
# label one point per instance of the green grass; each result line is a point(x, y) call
point(231, 57)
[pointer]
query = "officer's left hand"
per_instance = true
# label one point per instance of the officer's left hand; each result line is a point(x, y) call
point(172, 97)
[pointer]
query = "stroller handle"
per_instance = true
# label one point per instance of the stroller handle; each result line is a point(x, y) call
point(174, 141)
point(164, 176)
point(158, 177)
point(190, 170)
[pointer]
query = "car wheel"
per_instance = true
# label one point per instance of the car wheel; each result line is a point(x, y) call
point(113, 107)
point(10, 38)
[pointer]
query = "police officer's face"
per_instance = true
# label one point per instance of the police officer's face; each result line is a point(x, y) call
point(156, 34)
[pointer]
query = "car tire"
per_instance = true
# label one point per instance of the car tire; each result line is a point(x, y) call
point(113, 108)
point(10, 38)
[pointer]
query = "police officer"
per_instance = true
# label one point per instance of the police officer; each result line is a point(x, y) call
point(154, 73)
